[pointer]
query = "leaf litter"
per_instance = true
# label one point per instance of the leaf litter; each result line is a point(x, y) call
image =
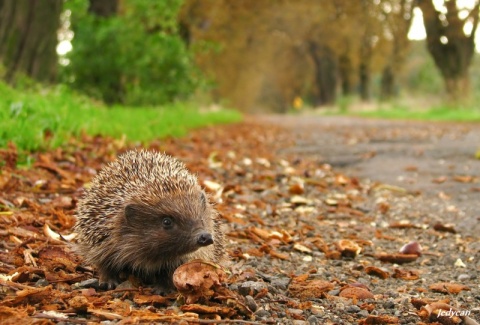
point(307, 244)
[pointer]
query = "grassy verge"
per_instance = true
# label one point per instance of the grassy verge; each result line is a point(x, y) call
point(406, 108)
point(439, 113)
point(27, 115)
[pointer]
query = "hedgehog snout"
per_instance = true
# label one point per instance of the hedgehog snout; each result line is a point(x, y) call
point(204, 239)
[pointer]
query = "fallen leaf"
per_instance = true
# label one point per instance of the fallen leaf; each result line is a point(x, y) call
point(198, 280)
point(439, 180)
point(356, 293)
point(153, 300)
point(397, 258)
point(297, 188)
point(376, 271)
point(302, 288)
point(447, 287)
point(405, 274)
point(463, 178)
point(445, 228)
point(379, 320)
point(202, 309)
point(348, 248)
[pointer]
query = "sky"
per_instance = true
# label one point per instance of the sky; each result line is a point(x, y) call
point(417, 30)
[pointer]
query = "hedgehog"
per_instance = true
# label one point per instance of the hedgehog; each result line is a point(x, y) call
point(144, 215)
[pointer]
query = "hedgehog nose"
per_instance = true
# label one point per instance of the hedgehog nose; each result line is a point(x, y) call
point(205, 239)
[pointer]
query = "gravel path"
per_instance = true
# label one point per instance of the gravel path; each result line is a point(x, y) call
point(435, 160)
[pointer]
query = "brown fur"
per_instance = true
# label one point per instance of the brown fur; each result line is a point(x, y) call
point(121, 222)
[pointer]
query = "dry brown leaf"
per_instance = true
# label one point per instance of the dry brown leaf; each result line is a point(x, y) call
point(56, 257)
point(403, 225)
point(445, 228)
point(296, 188)
point(198, 280)
point(445, 314)
point(302, 288)
point(277, 254)
point(154, 300)
point(447, 287)
point(463, 178)
point(348, 248)
point(376, 271)
point(202, 309)
point(405, 274)
point(79, 303)
point(264, 234)
point(439, 180)
point(397, 258)
point(379, 320)
point(356, 293)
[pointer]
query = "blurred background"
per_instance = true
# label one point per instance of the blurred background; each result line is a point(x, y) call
point(254, 56)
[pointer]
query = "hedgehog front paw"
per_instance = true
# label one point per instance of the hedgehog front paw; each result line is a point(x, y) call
point(108, 285)
point(108, 282)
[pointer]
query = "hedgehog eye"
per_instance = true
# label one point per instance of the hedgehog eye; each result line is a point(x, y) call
point(167, 222)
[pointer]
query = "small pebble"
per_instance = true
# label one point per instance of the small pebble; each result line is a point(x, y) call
point(280, 283)
point(463, 277)
point(90, 283)
point(312, 320)
point(262, 313)
point(363, 313)
point(296, 312)
point(251, 304)
point(389, 304)
point(392, 294)
point(334, 292)
point(42, 283)
point(353, 309)
point(251, 288)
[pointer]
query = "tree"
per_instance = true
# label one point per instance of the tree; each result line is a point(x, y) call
point(103, 8)
point(130, 52)
point(398, 16)
point(28, 38)
point(451, 42)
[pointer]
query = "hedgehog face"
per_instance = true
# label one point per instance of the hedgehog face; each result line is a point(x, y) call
point(174, 226)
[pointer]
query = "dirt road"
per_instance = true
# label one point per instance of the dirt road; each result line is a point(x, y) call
point(433, 159)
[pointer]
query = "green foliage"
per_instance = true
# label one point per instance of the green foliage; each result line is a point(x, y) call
point(425, 78)
point(435, 113)
point(134, 58)
point(40, 118)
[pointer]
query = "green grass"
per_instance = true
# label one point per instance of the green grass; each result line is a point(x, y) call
point(27, 115)
point(439, 113)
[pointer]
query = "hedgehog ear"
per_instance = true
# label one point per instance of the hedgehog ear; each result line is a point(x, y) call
point(131, 212)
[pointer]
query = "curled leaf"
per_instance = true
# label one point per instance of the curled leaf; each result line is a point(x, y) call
point(198, 279)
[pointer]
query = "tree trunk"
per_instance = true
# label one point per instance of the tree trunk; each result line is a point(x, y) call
point(451, 49)
point(103, 8)
point(364, 81)
point(345, 69)
point(28, 38)
point(398, 23)
point(325, 74)
point(388, 83)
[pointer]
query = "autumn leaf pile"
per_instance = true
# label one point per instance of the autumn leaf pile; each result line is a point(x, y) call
point(307, 244)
